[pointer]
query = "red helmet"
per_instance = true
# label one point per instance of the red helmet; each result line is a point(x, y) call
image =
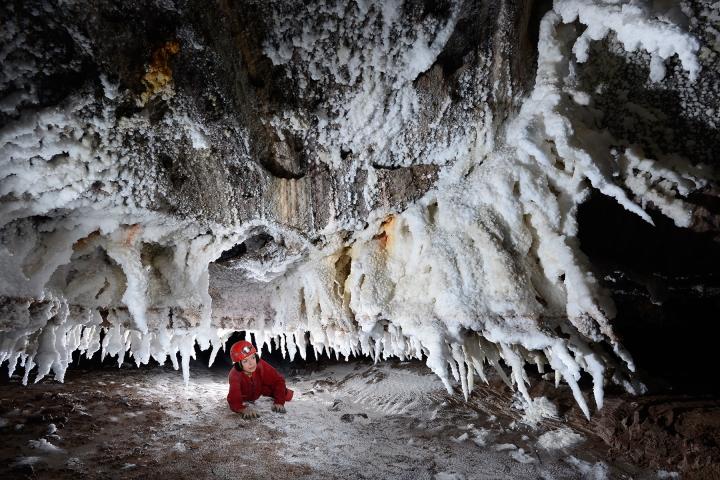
point(241, 350)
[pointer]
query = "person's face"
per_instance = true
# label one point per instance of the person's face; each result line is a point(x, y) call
point(249, 364)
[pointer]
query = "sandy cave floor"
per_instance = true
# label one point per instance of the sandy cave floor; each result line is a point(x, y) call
point(348, 420)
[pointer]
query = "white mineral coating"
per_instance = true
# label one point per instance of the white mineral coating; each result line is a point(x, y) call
point(389, 206)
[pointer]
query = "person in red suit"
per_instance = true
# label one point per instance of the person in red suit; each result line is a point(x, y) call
point(252, 377)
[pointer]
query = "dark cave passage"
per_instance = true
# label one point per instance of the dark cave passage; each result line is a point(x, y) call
point(665, 281)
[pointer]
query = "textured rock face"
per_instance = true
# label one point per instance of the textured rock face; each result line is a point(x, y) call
point(387, 178)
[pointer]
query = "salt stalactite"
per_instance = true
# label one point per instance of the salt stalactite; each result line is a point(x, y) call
point(66, 317)
point(635, 26)
point(555, 110)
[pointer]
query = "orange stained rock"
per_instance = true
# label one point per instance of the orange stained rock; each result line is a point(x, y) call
point(384, 237)
point(130, 233)
point(85, 241)
point(159, 74)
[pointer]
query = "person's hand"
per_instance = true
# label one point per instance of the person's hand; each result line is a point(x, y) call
point(249, 414)
point(277, 408)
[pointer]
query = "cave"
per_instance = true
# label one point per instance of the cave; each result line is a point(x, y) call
point(453, 239)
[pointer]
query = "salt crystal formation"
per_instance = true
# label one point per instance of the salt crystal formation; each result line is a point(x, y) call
point(379, 178)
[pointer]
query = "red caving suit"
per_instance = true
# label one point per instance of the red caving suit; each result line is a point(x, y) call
point(265, 380)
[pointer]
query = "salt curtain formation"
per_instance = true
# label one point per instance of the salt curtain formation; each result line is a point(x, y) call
point(368, 178)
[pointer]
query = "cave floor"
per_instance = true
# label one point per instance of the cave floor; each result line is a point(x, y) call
point(348, 420)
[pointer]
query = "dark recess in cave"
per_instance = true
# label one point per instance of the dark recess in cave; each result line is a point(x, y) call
point(537, 12)
point(378, 166)
point(665, 282)
point(252, 244)
point(287, 159)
